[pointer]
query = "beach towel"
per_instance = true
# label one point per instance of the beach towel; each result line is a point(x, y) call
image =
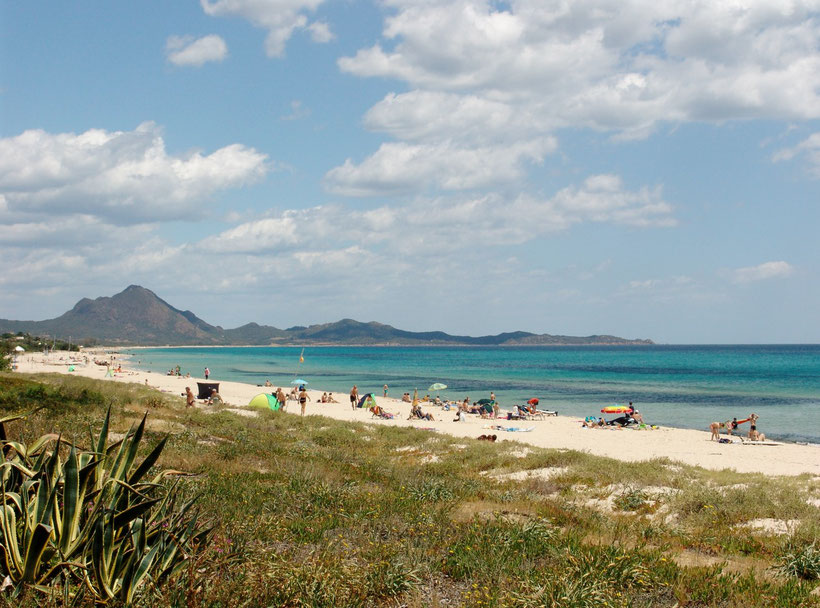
point(511, 429)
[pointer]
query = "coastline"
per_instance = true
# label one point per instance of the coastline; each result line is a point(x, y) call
point(687, 446)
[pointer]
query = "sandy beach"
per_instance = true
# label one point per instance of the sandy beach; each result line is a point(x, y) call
point(562, 432)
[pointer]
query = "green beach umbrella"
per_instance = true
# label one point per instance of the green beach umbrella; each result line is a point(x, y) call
point(437, 386)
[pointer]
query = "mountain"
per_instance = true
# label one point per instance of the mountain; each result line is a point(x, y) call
point(133, 316)
point(137, 316)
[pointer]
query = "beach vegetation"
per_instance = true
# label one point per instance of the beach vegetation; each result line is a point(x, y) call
point(317, 512)
point(89, 521)
point(801, 561)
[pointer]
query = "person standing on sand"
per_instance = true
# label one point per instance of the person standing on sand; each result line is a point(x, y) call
point(303, 399)
point(280, 397)
point(385, 390)
point(354, 397)
point(189, 396)
point(207, 373)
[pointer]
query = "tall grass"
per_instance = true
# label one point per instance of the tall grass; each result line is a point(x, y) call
point(310, 513)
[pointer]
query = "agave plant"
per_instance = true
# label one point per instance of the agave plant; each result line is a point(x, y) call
point(90, 522)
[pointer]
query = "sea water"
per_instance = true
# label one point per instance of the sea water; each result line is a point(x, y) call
point(680, 386)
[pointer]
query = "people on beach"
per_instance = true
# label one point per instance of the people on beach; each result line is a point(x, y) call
point(754, 435)
point(715, 428)
point(416, 412)
point(215, 398)
point(354, 397)
point(267, 383)
point(330, 398)
point(385, 390)
point(303, 399)
point(406, 397)
point(280, 397)
point(324, 398)
point(207, 372)
point(189, 397)
point(492, 396)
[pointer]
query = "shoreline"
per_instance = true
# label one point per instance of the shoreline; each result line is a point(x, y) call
point(688, 446)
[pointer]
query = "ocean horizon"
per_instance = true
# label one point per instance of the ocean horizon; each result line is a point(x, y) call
point(685, 386)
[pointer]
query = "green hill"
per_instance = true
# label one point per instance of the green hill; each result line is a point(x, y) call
point(137, 316)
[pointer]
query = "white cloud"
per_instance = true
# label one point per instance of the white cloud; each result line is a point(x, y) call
point(279, 17)
point(320, 32)
point(123, 176)
point(487, 78)
point(402, 167)
point(184, 51)
point(454, 224)
point(763, 272)
point(606, 64)
point(810, 147)
point(298, 111)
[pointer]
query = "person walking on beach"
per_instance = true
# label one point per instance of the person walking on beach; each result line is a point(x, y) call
point(354, 397)
point(385, 390)
point(207, 373)
point(492, 396)
point(280, 397)
point(303, 399)
point(189, 396)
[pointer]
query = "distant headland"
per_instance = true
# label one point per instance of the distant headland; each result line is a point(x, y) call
point(138, 317)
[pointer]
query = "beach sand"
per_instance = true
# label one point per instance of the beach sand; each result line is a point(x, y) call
point(562, 432)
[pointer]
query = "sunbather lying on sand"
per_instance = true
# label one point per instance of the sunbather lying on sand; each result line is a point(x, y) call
point(416, 412)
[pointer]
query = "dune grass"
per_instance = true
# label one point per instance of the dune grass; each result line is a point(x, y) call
point(316, 512)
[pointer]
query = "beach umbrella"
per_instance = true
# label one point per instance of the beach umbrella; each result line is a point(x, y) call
point(615, 409)
point(299, 382)
point(437, 386)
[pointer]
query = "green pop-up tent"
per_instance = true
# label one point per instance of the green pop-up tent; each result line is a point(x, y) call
point(265, 400)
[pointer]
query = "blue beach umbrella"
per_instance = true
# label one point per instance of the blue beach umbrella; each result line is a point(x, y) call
point(299, 382)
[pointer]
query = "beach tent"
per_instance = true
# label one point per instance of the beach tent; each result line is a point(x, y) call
point(367, 401)
point(485, 401)
point(265, 400)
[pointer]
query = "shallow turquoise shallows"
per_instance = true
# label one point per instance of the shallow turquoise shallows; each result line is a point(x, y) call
point(682, 386)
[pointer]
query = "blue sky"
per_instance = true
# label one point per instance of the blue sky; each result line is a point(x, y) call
point(639, 168)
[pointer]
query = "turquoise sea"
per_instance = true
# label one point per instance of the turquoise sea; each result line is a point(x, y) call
point(681, 386)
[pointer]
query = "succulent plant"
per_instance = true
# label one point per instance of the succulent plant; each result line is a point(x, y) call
point(90, 521)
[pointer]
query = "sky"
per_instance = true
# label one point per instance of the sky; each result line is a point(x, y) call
point(640, 168)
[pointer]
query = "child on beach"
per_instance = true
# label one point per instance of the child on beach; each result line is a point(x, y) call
point(189, 397)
